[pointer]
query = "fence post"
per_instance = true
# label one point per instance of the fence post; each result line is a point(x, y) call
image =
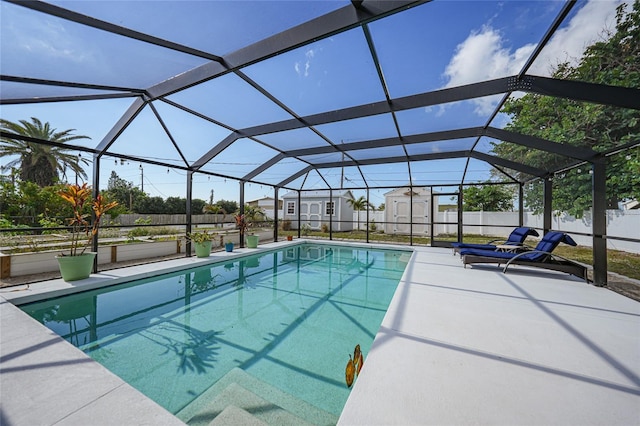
point(5, 266)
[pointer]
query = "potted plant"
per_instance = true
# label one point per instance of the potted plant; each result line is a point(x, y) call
point(228, 246)
point(77, 263)
point(202, 242)
point(243, 225)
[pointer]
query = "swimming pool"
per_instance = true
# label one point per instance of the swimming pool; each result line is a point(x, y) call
point(283, 321)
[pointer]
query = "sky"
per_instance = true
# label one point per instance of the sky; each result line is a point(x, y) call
point(437, 45)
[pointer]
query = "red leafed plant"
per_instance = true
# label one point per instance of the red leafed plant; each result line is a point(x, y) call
point(78, 196)
point(242, 224)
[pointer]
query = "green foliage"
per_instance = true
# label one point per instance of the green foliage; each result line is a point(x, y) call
point(201, 236)
point(132, 200)
point(197, 205)
point(227, 206)
point(143, 221)
point(25, 201)
point(253, 214)
point(360, 203)
point(141, 231)
point(490, 198)
point(137, 232)
point(151, 205)
point(39, 163)
point(125, 193)
point(615, 61)
point(46, 222)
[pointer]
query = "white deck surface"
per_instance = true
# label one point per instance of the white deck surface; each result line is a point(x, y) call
point(457, 346)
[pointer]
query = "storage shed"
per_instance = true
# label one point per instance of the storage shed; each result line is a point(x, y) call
point(398, 209)
point(318, 208)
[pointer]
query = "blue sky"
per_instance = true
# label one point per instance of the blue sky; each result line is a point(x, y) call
point(436, 45)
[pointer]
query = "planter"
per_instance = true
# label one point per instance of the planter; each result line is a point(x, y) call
point(75, 268)
point(289, 237)
point(203, 249)
point(228, 247)
point(252, 241)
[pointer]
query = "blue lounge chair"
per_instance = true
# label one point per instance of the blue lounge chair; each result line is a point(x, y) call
point(539, 257)
point(516, 238)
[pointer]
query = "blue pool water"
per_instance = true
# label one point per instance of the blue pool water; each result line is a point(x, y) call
point(289, 318)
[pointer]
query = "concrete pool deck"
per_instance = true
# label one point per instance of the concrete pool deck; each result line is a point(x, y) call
point(457, 346)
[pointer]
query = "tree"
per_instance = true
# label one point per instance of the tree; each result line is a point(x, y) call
point(214, 209)
point(125, 193)
point(197, 205)
point(491, 198)
point(358, 204)
point(614, 61)
point(228, 206)
point(253, 213)
point(151, 205)
point(39, 163)
point(25, 202)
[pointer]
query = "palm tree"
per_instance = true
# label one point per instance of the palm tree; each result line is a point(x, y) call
point(359, 204)
point(214, 209)
point(39, 163)
point(253, 213)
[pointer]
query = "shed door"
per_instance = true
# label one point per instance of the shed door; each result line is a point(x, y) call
point(311, 214)
point(401, 216)
point(420, 217)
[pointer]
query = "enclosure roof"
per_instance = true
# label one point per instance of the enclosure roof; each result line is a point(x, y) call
point(305, 94)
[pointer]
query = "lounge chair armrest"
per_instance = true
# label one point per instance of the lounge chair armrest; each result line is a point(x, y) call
point(551, 255)
point(522, 254)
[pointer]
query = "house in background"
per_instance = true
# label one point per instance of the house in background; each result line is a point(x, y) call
point(266, 205)
point(398, 209)
point(319, 207)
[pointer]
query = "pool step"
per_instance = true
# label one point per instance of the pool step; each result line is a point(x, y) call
point(238, 394)
point(233, 415)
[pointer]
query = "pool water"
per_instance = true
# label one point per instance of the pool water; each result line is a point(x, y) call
point(289, 318)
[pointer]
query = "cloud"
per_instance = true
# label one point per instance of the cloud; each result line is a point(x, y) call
point(303, 69)
point(483, 56)
point(570, 41)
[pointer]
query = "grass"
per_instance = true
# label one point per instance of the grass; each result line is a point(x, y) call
point(620, 262)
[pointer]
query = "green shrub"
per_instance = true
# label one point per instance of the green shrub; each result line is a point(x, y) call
point(48, 222)
point(138, 232)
